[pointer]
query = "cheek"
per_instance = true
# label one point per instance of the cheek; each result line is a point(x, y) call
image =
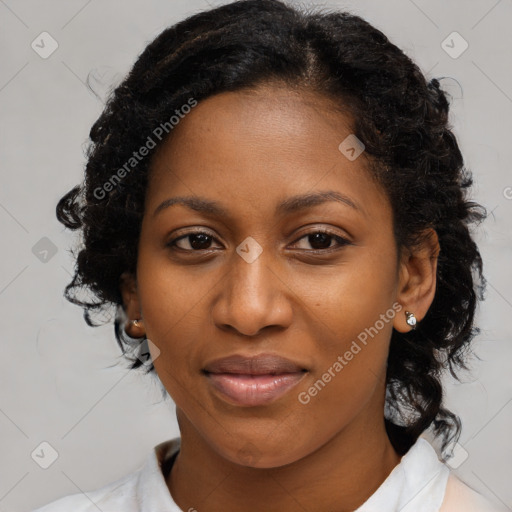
point(170, 295)
point(349, 378)
point(353, 326)
point(172, 309)
point(351, 297)
point(348, 373)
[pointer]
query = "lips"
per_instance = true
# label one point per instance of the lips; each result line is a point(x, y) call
point(253, 381)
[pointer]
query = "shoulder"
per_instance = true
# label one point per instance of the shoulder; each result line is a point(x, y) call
point(459, 496)
point(118, 495)
point(144, 489)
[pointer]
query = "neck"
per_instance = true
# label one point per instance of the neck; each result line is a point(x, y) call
point(341, 475)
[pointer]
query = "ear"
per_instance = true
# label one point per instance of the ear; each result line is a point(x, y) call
point(131, 304)
point(417, 279)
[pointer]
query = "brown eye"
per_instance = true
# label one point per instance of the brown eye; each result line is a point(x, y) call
point(192, 242)
point(197, 242)
point(322, 240)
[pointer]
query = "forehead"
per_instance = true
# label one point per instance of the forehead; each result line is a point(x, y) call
point(277, 117)
point(260, 144)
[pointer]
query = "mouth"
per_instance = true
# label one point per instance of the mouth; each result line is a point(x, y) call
point(253, 381)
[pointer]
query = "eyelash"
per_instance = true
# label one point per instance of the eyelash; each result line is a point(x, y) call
point(341, 241)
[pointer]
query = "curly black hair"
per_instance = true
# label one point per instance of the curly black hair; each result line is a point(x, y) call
point(401, 118)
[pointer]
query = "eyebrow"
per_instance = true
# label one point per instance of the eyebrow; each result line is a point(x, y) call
point(288, 206)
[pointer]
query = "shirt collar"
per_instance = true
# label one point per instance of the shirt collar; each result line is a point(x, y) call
point(416, 484)
point(152, 490)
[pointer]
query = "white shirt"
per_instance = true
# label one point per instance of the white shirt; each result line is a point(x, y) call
point(419, 483)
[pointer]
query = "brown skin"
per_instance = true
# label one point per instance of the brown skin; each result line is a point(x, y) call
point(249, 151)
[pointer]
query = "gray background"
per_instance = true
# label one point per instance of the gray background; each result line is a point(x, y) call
point(60, 380)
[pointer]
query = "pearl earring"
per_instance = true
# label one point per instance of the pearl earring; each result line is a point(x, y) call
point(136, 323)
point(410, 319)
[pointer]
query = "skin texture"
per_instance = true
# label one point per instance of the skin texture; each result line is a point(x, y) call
point(250, 150)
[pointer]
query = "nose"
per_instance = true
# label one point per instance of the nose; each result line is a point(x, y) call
point(253, 297)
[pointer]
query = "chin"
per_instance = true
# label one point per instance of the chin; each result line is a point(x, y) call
point(264, 455)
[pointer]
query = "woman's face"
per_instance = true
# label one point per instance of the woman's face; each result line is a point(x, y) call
point(260, 280)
